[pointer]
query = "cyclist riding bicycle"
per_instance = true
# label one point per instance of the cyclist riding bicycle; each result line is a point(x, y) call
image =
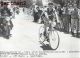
point(48, 35)
point(49, 18)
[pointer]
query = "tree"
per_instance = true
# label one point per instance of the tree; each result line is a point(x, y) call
point(61, 2)
point(39, 2)
point(29, 3)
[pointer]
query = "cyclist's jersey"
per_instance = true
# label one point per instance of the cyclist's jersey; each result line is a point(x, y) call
point(50, 14)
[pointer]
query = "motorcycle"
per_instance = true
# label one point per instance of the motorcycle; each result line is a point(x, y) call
point(7, 27)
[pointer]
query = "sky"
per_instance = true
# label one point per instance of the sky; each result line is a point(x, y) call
point(45, 2)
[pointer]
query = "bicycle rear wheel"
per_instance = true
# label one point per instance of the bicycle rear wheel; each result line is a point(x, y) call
point(54, 39)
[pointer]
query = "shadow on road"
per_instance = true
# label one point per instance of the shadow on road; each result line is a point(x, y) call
point(4, 36)
point(46, 47)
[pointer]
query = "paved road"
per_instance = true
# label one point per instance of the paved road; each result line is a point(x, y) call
point(25, 37)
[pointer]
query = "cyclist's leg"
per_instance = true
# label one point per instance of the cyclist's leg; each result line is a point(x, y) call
point(46, 32)
point(45, 29)
point(51, 24)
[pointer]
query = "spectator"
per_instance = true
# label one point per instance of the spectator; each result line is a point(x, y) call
point(66, 20)
point(60, 17)
point(37, 14)
point(74, 21)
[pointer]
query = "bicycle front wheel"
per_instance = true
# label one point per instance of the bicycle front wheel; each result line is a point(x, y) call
point(41, 34)
point(54, 39)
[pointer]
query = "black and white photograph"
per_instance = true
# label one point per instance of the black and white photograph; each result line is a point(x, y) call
point(39, 28)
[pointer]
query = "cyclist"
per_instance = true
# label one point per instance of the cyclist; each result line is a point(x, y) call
point(49, 18)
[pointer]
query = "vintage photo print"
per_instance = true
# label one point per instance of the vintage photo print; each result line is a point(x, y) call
point(39, 28)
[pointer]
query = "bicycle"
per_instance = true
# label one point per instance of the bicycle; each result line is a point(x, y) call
point(51, 36)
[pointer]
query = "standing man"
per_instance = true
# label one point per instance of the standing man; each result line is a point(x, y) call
point(60, 17)
point(66, 20)
point(37, 14)
point(79, 23)
point(74, 21)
